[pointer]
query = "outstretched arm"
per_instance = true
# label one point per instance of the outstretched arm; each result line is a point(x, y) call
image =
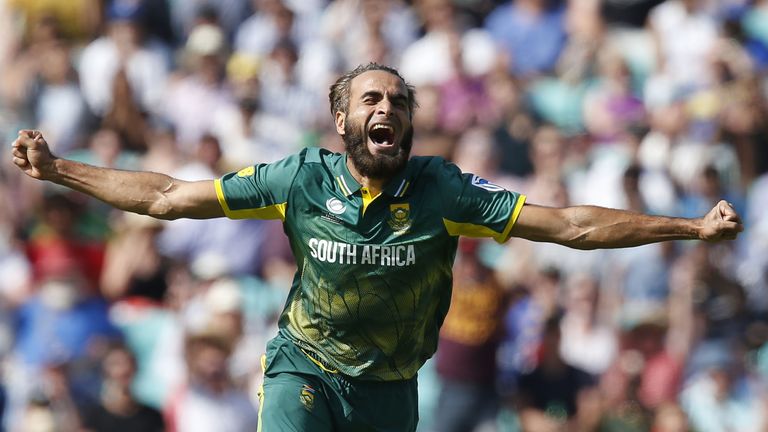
point(153, 194)
point(590, 227)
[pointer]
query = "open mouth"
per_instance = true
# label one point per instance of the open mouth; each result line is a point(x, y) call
point(382, 134)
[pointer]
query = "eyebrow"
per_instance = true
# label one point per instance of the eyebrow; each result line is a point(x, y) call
point(399, 97)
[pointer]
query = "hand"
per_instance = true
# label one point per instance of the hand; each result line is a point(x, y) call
point(721, 223)
point(32, 155)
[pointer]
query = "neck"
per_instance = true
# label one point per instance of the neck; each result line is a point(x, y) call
point(374, 185)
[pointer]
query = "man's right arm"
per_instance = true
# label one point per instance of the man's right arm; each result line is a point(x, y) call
point(153, 194)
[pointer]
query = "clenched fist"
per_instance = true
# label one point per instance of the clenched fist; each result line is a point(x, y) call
point(721, 223)
point(32, 155)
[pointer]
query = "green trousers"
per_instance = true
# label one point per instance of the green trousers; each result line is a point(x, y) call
point(303, 395)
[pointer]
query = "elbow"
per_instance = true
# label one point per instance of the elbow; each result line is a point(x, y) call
point(577, 237)
point(577, 230)
point(163, 208)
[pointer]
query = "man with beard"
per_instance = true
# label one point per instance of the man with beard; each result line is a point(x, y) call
point(374, 234)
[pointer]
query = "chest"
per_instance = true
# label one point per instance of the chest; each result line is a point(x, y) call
point(324, 213)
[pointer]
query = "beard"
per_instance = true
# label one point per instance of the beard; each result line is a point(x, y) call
point(381, 166)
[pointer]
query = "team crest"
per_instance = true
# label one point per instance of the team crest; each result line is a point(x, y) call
point(400, 218)
point(245, 172)
point(307, 397)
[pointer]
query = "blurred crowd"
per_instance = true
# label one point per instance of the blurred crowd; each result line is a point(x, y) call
point(112, 322)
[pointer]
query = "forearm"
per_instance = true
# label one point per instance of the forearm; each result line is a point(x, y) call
point(138, 192)
point(589, 227)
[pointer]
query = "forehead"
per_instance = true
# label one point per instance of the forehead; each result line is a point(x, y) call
point(379, 81)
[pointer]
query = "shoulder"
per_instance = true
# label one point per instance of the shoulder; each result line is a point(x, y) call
point(315, 155)
point(314, 161)
point(432, 165)
point(435, 171)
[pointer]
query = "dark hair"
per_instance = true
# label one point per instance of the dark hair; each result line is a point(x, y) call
point(339, 95)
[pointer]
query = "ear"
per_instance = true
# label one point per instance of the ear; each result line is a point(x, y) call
point(340, 120)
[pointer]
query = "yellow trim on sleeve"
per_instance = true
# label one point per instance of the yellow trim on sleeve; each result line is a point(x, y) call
point(275, 211)
point(474, 230)
point(220, 196)
point(259, 428)
point(261, 391)
point(469, 229)
point(513, 219)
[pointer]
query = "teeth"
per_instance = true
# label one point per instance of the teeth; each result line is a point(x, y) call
point(381, 126)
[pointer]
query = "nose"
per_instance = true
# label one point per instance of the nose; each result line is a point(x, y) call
point(384, 107)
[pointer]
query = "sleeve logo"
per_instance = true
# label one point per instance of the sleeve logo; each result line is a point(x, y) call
point(335, 206)
point(245, 172)
point(482, 183)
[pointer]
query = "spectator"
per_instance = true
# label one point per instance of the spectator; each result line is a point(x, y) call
point(369, 30)
point(56, 99)
point(125, 116)
point(724, 395)
point(186, 15)
point(523, 327)
point(24, 66)
point(431, 60)
point(123, 46)
point(209, 401)
point(589, 340)
point(61, 325)
point(51, 407)
point(191, 97)
point(117, 410)
point(272, 22)
point(133, 266)
point(685, 35)
point(611, 107)
point(466, 357)
point(530, 33)
point(549, 395)
point(57, 248)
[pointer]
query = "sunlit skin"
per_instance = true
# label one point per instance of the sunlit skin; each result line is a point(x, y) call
point(377, 98)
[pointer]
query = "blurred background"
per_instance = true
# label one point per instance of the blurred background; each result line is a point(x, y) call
point(111, 321)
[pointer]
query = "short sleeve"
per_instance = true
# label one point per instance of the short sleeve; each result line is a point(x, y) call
point(259, 191)
point(475, 207)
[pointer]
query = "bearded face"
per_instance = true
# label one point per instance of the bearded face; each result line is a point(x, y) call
point(382, 165)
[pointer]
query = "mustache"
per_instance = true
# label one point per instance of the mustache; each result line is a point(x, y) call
point(381, 166)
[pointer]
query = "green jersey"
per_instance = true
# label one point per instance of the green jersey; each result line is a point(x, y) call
point(373, 283)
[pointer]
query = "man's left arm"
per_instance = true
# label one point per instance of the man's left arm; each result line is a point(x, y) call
point(591, 227)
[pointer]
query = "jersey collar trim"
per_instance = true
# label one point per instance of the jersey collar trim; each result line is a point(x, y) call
point(344, 178)
point(400, 185)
